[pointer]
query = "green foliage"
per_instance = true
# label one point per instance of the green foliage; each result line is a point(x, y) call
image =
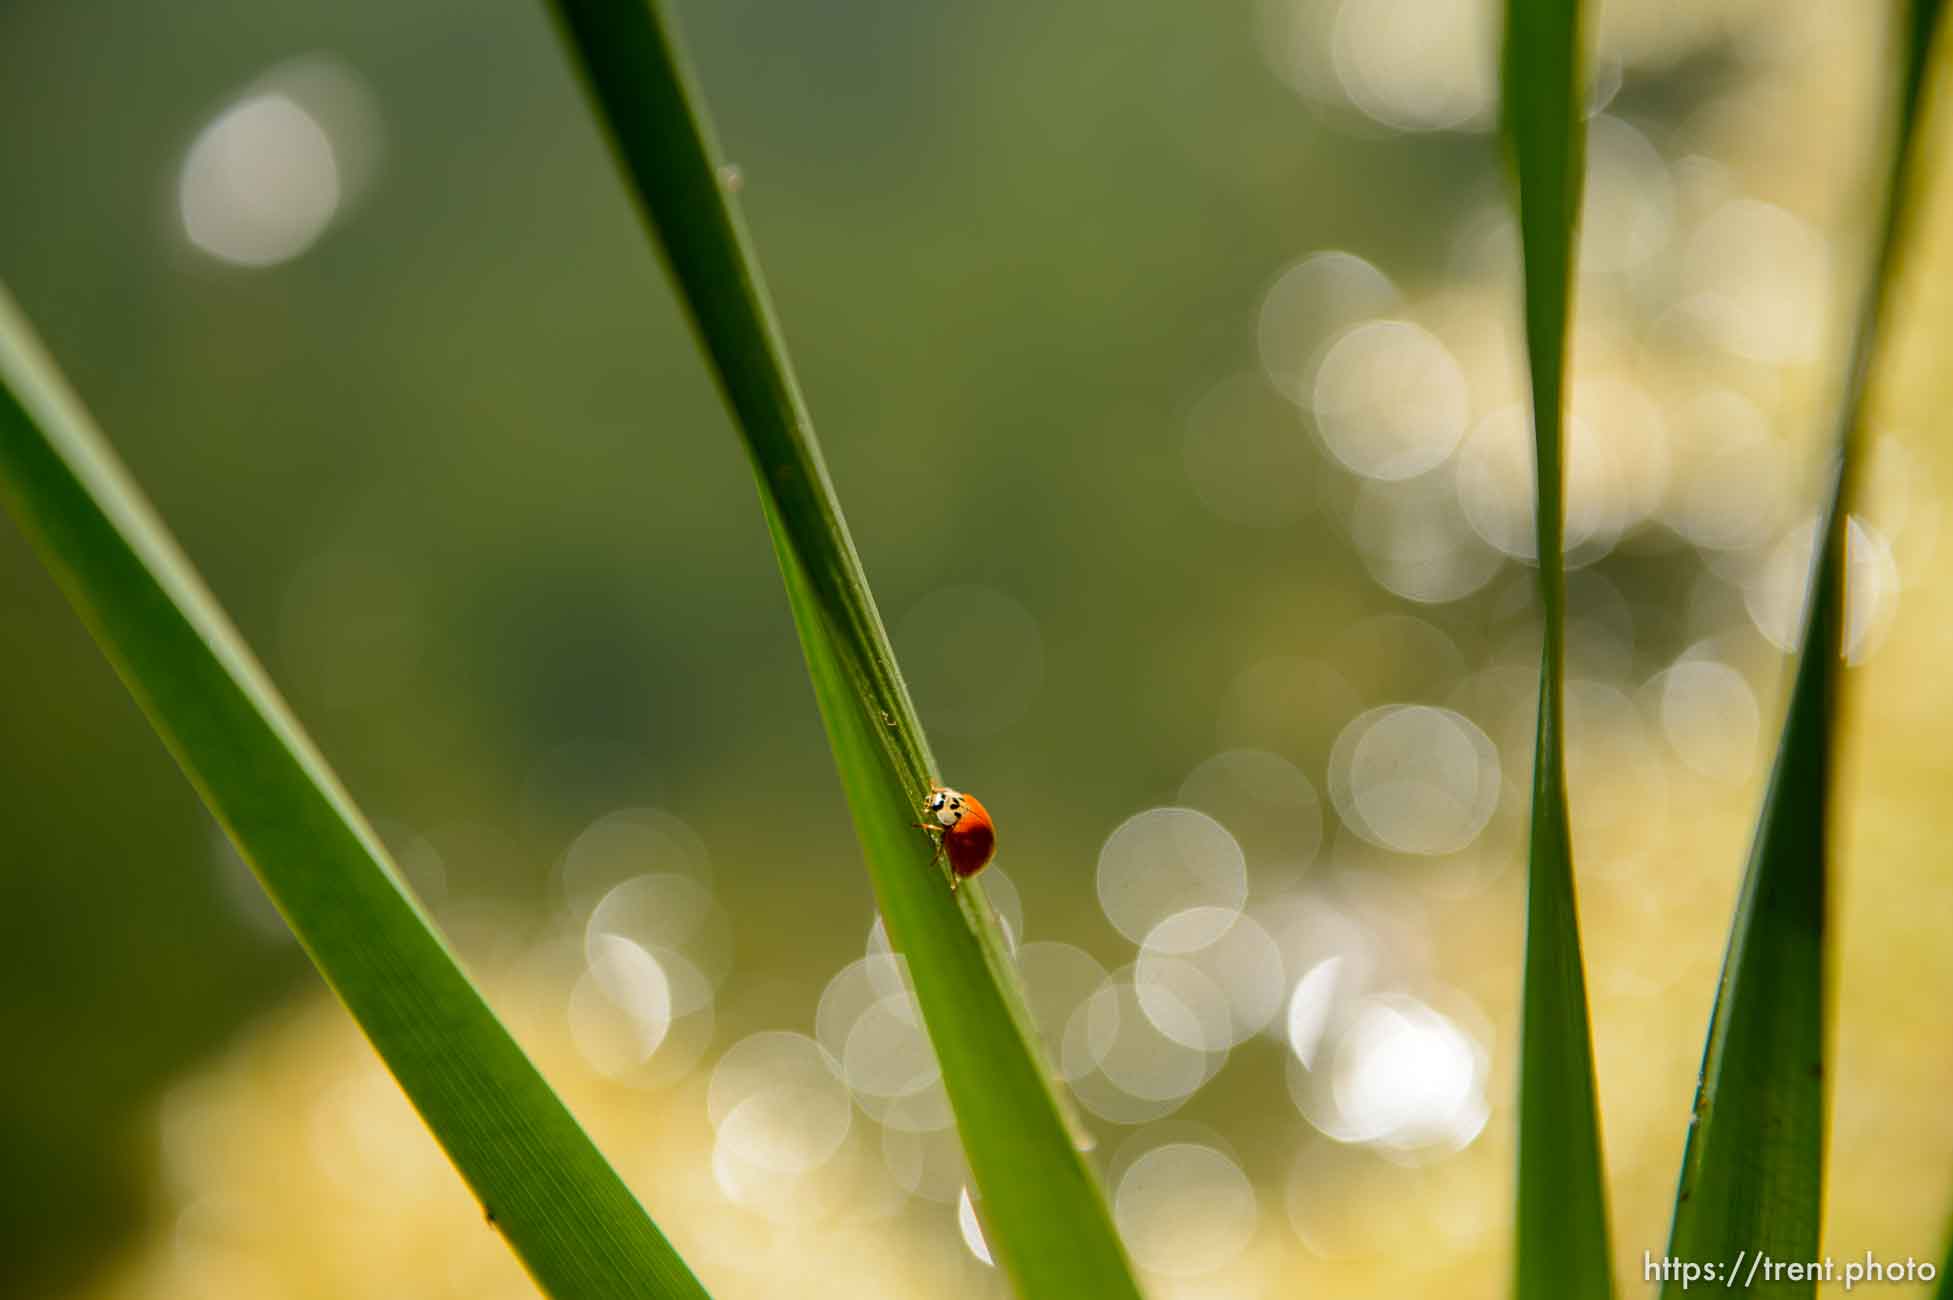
point(1753, 1171)
point(1562, 1213)
point(542, 1183)
point(1044, 1213)
point(1752, 1175)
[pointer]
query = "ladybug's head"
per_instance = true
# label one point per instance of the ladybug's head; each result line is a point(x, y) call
point(946, 805)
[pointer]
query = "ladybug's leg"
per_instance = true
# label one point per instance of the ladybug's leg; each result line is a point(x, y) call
point(936, 834)
point(940, 858)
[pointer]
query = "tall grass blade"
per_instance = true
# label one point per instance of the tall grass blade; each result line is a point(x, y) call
point(543, 1185)
point(1752, 1178)
point(1044, 1213)
point(1562, 1245)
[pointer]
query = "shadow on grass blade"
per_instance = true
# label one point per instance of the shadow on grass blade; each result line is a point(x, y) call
point(568, 1216)
point(1044, 1214)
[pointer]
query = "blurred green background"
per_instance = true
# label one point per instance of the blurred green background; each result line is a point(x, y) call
point(356, 294)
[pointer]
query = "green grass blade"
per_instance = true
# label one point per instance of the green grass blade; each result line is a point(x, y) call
point(1561, 1223)
point(1752, 1177)
point(1043, 1210)
point(1753, 1169)
point(573, 1223)
point(1035, 1190)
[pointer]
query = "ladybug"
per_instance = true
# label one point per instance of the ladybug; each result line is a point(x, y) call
point(963, 832)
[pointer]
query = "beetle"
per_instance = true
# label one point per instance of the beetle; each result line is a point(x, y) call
point(963, 831)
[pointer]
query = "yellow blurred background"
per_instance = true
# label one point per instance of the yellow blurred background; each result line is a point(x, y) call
point(1167, 358)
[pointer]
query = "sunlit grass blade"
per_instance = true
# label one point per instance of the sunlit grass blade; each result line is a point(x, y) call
point(1044, 1213)
point(1752, 1175)
point(1753, 1169)
point(1562, 1245)
point(956, 982)
point(570, 1219)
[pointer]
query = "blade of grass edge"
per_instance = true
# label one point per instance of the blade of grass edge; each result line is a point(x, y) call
point(570, 1219)
point(1561, 1242)
point(1944, 1291)
point(1752, 1175)
point(1046, 1216)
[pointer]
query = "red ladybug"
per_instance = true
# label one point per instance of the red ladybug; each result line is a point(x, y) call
point(963, 833)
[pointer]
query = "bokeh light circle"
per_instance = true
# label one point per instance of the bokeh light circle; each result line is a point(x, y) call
point(1166, 860)
point(1415, 778)
point(1390, 401)
point(1309, 304)
point(1185, 1210)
